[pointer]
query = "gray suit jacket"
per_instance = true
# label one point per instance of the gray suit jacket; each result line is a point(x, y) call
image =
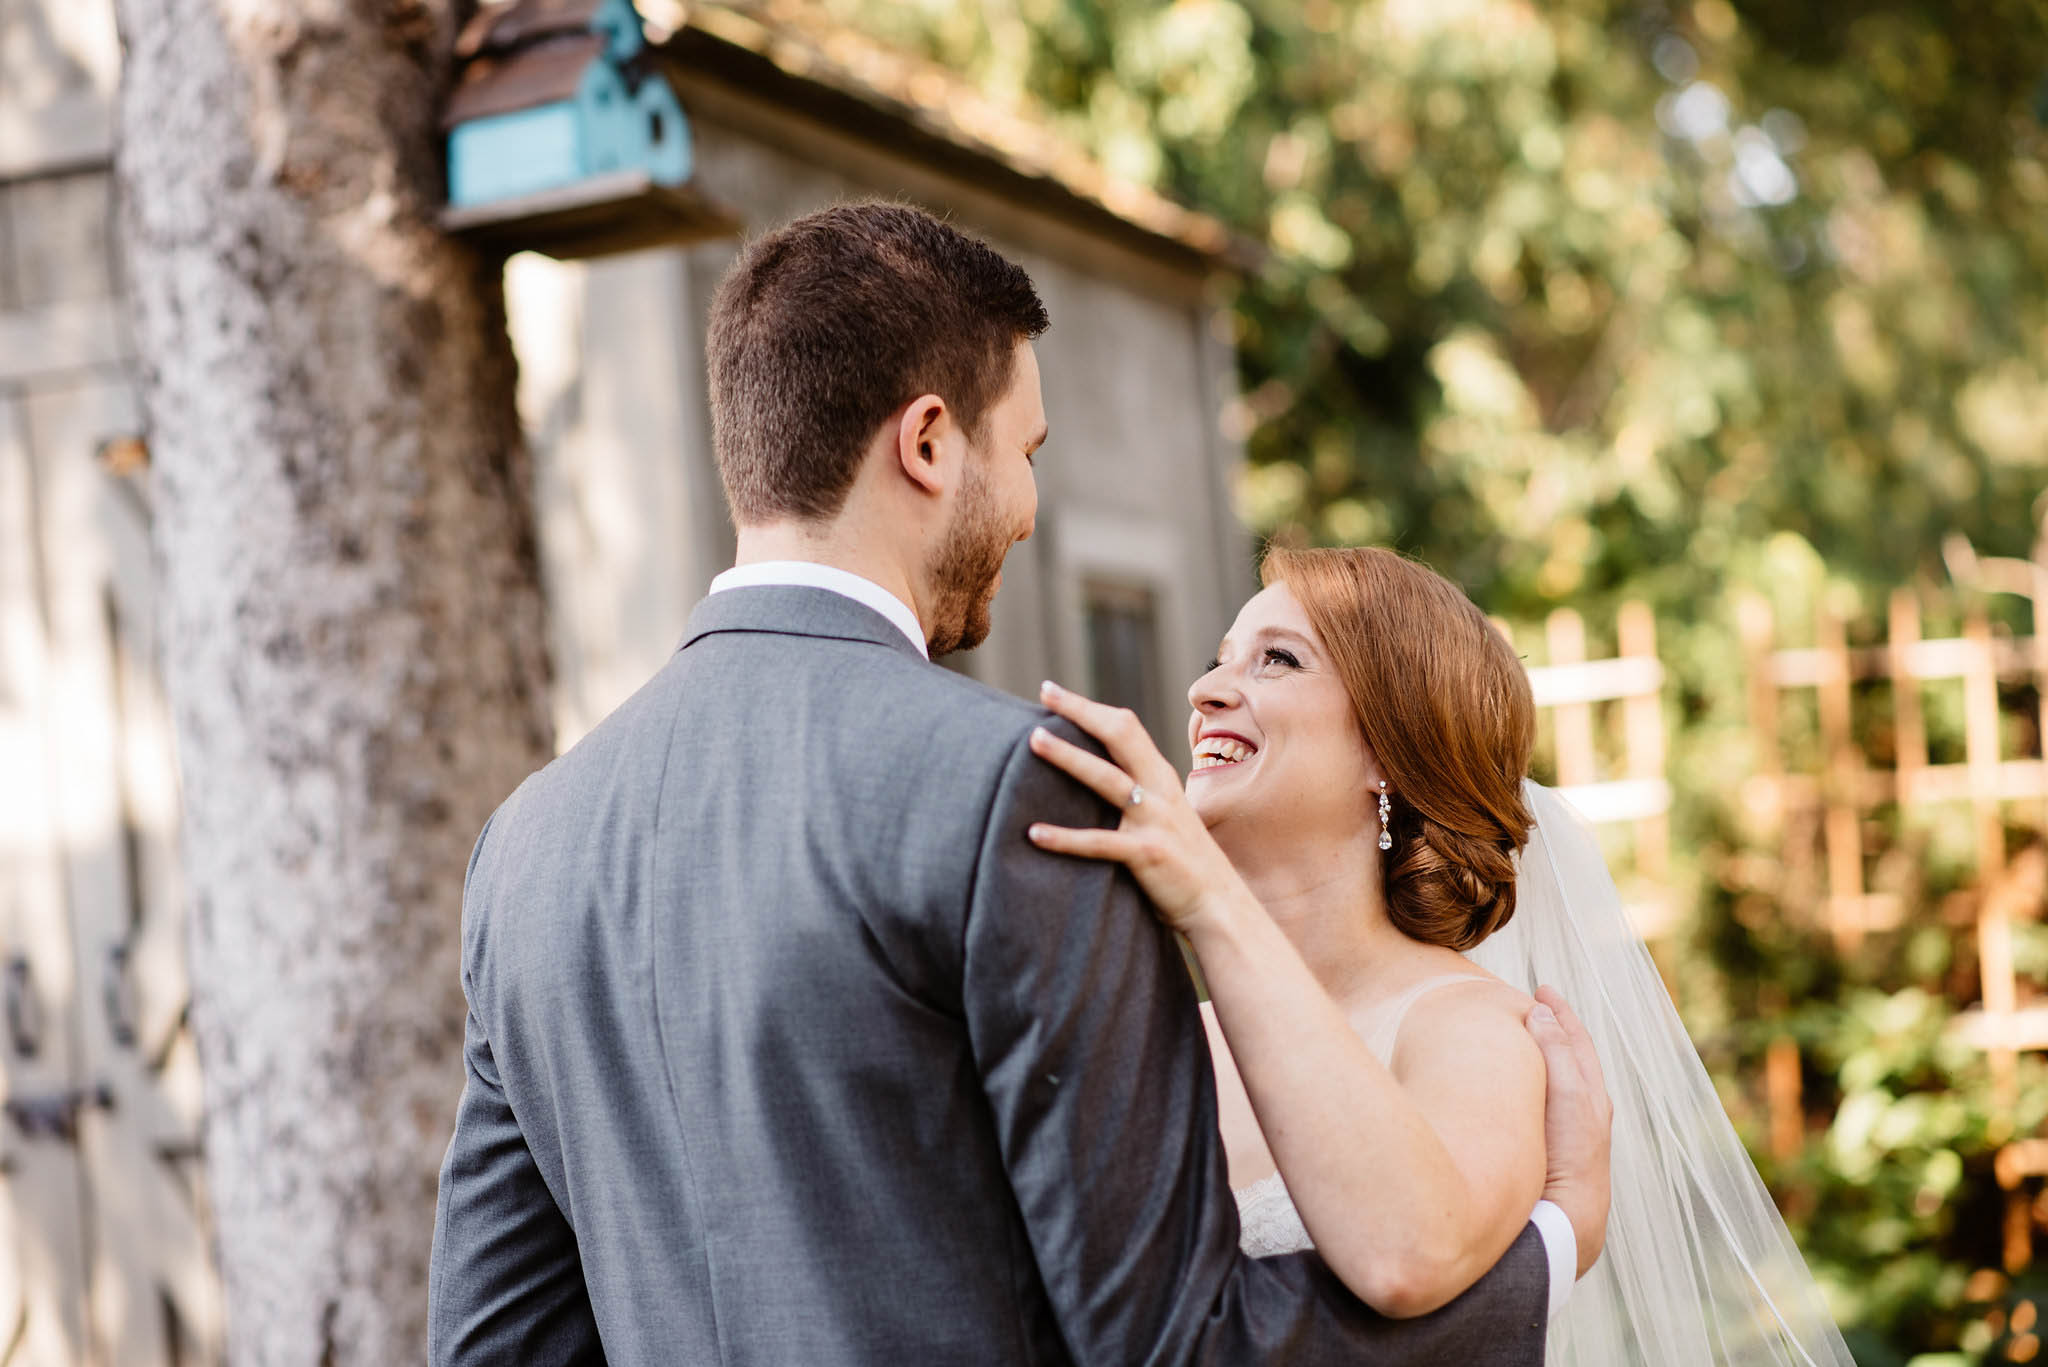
point(786, 1047)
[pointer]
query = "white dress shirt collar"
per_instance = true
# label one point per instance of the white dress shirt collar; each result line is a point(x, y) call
point(807, 574)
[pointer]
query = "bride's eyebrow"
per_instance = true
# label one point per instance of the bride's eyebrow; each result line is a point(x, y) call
point(1265, 636)
point(1293, 638)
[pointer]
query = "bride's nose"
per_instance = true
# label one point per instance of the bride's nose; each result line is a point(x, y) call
point(1212, 692)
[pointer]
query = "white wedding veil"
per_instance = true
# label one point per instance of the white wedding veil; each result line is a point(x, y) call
point(1699, 1269)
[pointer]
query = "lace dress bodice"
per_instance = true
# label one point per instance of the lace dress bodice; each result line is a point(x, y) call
point(1268, 1222)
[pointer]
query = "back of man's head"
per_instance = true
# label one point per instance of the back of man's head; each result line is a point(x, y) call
point(825, 327)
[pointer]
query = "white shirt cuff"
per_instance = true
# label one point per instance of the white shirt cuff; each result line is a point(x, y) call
point(1563, 1247)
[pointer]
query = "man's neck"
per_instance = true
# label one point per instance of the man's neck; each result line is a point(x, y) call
point(827, 546)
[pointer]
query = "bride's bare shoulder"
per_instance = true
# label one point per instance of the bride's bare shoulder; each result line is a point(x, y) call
point(1445, 978)
point(1504, 995)
point(1482, 1017)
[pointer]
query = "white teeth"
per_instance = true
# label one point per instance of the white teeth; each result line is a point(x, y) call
point(1219, 750)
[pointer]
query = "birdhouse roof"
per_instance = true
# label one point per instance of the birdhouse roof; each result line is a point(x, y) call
point(541, 71)
point(511, 24)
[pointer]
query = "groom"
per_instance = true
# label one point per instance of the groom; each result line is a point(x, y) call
point(784, 1045)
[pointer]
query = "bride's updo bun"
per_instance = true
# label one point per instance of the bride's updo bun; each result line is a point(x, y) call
point(1445, 705)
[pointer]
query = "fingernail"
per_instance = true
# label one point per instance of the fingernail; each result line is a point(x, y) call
point(1542, 1015)
point(1035, 832)
point(1050, 689)
point(1039, 733)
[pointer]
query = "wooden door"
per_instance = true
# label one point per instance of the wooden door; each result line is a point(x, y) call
point(104, 1255)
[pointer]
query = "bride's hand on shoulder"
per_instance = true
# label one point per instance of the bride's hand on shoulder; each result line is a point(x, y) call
point(1160, 839)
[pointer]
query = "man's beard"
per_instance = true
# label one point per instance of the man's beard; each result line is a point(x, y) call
point(964, 570)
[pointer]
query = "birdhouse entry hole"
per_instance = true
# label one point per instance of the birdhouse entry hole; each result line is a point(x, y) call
point(654, 128)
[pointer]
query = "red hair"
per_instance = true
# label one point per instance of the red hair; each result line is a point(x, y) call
point(1445, 705)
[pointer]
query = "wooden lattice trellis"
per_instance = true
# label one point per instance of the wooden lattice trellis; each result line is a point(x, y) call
point(1821, 809)
point(1569, 690)
point(2000, 791)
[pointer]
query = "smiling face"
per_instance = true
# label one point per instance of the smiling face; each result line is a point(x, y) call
point(1278, 749)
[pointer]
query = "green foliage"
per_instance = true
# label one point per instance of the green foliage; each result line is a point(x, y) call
point(1588, 298)
point(1589, 301)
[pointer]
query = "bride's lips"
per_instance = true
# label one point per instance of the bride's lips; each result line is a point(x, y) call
point(1216, 750)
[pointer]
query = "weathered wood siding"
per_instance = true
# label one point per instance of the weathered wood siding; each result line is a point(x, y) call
point(104, 1245)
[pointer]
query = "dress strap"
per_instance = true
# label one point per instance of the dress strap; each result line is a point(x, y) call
point(1383, 1038)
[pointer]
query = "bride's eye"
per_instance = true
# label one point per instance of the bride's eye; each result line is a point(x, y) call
point(1275, 655)
point(1212, 666)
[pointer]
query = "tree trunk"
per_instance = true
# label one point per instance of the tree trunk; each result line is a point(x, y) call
point(353, 627)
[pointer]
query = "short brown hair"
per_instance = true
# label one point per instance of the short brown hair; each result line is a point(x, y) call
point(827, 325)
point(1445, 705)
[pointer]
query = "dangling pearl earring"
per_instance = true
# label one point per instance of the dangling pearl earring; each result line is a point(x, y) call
point(1386, 816)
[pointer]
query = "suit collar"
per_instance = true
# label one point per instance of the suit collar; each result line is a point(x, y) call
point(790, 610)
point(817, 575)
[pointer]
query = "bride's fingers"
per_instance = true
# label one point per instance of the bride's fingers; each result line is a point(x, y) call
point(1119, 730)
point(1104, 779)
point(1091, 842)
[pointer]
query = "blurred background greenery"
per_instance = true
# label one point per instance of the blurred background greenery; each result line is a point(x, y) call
point(1608, 300)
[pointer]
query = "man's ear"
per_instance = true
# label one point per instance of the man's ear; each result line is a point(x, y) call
point(922, 434)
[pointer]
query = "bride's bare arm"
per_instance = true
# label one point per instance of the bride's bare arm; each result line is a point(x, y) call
point(1410, 1191)
point(1412, 1181)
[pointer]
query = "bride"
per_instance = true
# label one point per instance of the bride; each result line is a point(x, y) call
point(1373, 888)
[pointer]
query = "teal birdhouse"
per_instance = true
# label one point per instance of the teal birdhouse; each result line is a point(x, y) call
point(565, 136)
